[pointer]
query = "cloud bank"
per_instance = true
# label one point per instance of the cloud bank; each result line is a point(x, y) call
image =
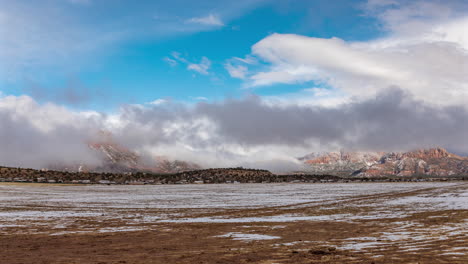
point(231, 132)
point(34, 135)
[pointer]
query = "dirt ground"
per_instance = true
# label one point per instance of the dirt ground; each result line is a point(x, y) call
point(357, 229)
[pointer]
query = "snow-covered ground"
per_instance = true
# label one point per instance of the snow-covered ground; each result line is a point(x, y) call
point(193, 196)
point(58, 206)
point(377, 220)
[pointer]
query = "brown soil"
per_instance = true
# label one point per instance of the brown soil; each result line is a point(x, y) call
point(299, 242)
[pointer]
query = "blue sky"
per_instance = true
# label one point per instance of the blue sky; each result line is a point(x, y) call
point(130, 65)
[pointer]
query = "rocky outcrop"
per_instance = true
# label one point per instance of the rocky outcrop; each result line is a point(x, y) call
point(425, 162)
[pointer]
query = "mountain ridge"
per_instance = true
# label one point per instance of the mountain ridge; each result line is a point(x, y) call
point(431, 162)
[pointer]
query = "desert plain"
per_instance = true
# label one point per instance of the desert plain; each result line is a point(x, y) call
point(425, 222)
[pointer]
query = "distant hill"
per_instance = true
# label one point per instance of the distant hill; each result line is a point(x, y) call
point(218, 175)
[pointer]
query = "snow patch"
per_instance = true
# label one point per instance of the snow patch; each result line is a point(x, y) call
point(248, 237)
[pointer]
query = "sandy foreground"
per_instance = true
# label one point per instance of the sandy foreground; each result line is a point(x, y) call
point(238, 223)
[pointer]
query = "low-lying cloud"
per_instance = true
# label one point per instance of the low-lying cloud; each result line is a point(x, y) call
point(33, 135)
point(233, 132)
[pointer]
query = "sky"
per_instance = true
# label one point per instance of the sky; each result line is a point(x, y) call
point(225, 83)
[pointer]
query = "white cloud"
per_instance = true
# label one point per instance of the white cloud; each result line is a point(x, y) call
point(309, 97)
point(170, 61)
point(158, 102)
point(236, 71)
point(201, 67)
point(43, 39)
point(251, 131)
point(431, 62)
point(247, 60)
point(237, 67)
point(407, 18)
point(35, 135)
point(285, 74)
point(210, 20)
point(177, 56)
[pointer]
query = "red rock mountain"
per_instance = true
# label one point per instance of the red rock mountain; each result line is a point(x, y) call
point(430, 162)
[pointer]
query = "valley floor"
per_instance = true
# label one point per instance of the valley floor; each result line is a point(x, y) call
point(248, 223)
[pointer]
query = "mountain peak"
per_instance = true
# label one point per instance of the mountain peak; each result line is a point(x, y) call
point(432, 153)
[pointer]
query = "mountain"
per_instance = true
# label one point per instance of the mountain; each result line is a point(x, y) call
point(165, 165)
point(118, 159)
point(339, 163)
point(114, 158)
point(430, 162)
